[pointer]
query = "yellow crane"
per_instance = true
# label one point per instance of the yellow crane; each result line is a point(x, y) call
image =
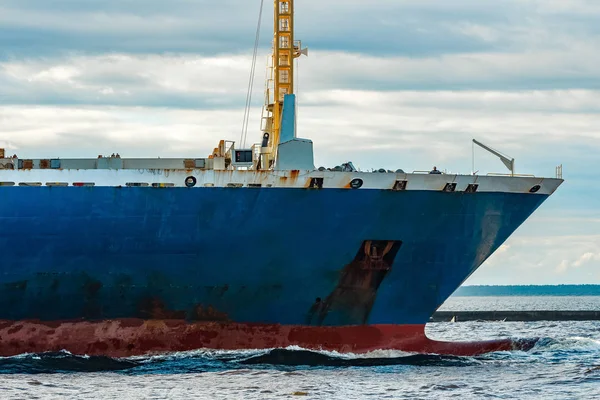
point(285, 50)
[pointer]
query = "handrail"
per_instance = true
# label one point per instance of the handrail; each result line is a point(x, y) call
point(499, 174)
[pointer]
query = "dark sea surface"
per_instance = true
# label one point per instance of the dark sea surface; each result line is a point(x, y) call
point(565, 364)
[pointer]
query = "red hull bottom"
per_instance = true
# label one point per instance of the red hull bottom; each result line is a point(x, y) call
point(129, 337)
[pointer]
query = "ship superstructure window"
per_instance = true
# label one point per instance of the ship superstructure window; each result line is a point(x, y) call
point(243, 155)
point(79, 184)
point(136, 184)
point(7, 184)
point(57, 184)
point(25, 164)
point(30, 183)
point(284, 60)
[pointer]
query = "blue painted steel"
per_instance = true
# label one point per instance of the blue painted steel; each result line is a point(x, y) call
point(102, 252)
point(288, 119)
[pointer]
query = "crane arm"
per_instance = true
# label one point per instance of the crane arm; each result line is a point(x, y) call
point(508, 162)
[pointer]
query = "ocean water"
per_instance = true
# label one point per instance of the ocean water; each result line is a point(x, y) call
point(565, 364)
point(520, 303)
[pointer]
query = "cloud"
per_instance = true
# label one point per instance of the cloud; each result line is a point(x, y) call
point(121, 79)
point(192, 81)
point(586, 258)
point(543, 69)
point(413, 27)
point(543, 260)
point(538, 129)
point(582, 261)
point(131, 131)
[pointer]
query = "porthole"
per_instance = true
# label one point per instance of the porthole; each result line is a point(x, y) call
point(535, 189)
point(356, 183)
point(190, 181)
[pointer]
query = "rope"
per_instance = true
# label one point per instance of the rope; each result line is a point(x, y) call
point(251, 80)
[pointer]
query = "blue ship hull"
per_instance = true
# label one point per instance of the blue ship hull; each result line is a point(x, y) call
point(254, 255)
point(271, 256)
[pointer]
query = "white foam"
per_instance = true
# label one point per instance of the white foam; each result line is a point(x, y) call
point(206, 353)
point(569, 343)
point(370, 354)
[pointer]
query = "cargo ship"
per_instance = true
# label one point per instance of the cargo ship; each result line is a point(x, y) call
point(246, 248)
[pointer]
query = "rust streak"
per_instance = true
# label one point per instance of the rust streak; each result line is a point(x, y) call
point(208, 314)
point(355, 293)
point(294, 174)
point(155, 308)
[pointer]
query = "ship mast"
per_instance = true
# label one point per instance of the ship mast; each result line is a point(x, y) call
point(285, 50)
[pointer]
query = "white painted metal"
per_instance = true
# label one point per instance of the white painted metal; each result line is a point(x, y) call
point(295, 154)
point(281, 179)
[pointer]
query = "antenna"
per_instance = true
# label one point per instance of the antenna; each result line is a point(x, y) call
point(508, 162)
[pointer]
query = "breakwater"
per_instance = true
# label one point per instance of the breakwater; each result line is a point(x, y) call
point(544, 315)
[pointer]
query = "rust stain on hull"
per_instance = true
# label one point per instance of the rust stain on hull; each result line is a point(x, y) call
point(129, 337)
point(353, 297)
point(155, 309)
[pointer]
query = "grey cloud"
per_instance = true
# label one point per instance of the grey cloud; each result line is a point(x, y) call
point(126, 81)
point(190, 81)
point(413, 28)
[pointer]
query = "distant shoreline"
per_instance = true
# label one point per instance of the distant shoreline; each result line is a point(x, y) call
point(528, 290)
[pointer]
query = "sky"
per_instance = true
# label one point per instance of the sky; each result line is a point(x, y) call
point(387, 84)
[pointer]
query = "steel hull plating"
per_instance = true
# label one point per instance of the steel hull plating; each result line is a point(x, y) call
point(119, 338)
point(270, 261)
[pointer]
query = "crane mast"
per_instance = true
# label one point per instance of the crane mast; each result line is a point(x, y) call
point(285, 50)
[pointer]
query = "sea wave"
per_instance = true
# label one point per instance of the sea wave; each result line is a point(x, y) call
point(61, 362)
point(205, 360)
point(575, 343)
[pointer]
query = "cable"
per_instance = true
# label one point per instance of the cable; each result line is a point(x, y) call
point(297, 90)
point(251, 80)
